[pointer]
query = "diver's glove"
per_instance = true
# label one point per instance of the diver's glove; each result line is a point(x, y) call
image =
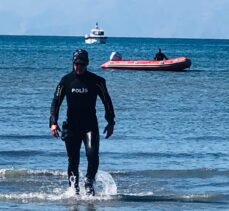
point(108, 130)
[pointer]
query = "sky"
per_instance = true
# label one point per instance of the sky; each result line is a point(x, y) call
point(119, 18)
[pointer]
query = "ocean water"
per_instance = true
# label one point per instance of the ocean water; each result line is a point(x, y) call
point(170, 147)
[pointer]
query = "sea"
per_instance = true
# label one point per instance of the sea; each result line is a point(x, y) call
point(170, 147)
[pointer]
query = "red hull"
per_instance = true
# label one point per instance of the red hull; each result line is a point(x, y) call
point(175, 64)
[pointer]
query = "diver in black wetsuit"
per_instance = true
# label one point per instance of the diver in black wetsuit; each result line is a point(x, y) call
point(160, 56)
point(81, 89)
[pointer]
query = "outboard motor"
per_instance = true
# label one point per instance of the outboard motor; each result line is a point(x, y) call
point(115, 56)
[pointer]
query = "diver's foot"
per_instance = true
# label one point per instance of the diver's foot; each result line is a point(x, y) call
point(90, 191)
point(77, 190)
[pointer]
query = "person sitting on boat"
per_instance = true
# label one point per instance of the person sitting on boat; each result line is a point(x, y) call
point(160, 56)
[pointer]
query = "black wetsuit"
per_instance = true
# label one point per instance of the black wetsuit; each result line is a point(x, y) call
point(160, 56)
point(81, 92)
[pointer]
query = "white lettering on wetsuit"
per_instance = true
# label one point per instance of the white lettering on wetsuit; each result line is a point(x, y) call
point(81, 90)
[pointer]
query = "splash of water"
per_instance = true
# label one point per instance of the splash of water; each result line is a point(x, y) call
point(72, 180)
point(52, 187)
point(107, 183)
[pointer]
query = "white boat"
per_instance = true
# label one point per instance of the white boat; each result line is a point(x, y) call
point(96, 36)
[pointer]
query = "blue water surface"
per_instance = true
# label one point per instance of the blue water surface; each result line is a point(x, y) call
point(169, 150)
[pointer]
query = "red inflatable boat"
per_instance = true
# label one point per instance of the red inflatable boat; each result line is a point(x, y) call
point(174, 64)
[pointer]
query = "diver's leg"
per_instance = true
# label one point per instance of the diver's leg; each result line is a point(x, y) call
point(73, 145)
point(91, 142)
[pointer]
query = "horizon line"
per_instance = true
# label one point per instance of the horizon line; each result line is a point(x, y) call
point(134, 37)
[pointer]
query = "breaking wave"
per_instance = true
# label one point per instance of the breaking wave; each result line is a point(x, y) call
point(177, 173)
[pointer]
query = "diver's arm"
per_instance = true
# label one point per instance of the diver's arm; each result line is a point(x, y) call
point(109, 109)
point(55, 107)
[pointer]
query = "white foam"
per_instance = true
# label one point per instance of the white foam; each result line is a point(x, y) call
point(17, 172)
point(149, 193)
point(105, 187)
